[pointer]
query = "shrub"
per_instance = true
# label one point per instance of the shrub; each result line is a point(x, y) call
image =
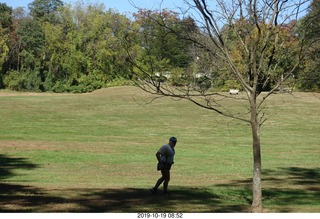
point(120, 82)
point(29, 80)
point(230, 84)
point(12, 80)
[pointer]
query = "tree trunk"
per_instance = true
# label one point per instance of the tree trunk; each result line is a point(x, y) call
point(256, 184)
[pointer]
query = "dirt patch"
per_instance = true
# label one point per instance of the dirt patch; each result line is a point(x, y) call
point(15, 93)
point(95, 147)
point(128, 90)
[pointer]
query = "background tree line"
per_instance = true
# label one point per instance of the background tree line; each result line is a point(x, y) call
point(79, 48)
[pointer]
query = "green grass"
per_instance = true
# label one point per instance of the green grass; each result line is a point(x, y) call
point(96, 153)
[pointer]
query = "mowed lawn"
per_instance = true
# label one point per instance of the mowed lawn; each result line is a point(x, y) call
point(96, 153)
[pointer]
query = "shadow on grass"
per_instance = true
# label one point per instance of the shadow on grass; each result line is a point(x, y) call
point(285, 188)
point(180, 199)
point(9, 164)
point(141, 200)
point(14, 192)
point(301, 187)
point(15, 198)
point(19, 198)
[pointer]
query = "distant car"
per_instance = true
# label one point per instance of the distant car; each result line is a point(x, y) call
point(234, 91)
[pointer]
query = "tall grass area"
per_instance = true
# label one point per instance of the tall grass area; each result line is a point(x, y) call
point(96, 152)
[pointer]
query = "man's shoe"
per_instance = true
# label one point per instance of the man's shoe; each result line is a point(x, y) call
point(153, 190)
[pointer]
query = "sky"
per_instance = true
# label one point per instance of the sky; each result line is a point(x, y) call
point(122, 6)
point(127, 6)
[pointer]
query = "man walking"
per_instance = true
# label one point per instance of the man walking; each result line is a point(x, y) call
point(165, 157)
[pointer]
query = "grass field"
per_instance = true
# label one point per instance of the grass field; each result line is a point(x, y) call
point(96, 153)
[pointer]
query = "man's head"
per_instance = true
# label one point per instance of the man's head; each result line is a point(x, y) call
point(173, 141)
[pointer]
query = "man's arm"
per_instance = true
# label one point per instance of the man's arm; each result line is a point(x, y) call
point(158, 155)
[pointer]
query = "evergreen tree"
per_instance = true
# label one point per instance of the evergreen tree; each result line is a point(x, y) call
point(45, 9)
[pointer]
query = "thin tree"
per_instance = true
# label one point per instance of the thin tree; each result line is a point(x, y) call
point(250, 41)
